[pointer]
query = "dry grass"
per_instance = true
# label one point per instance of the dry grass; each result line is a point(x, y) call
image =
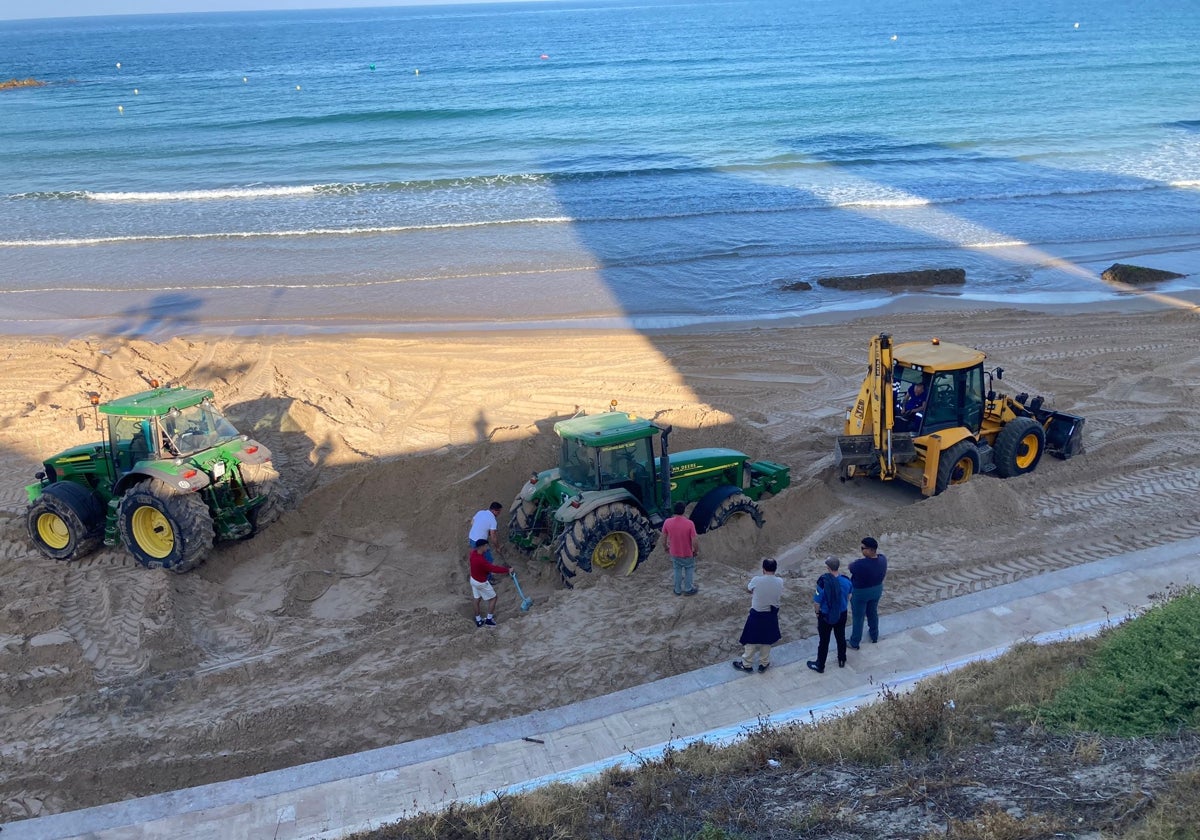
point(964, 755)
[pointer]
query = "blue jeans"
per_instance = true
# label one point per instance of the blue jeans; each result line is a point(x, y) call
point(685, 567)
point(864, 603)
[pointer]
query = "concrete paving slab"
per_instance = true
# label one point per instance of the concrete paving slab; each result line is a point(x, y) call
point(332, 798)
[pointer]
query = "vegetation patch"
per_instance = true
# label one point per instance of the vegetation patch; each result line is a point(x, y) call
point(1144, 679)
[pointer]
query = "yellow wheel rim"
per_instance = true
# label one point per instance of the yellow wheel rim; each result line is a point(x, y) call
point(615, 551)
point(1027, 451)
point(53, 531)
point(152, 531)
point(962, 471)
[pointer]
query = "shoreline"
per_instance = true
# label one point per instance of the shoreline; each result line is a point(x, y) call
point(900, 303)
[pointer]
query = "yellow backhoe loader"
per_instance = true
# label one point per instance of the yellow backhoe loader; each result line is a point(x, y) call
point(924, 416)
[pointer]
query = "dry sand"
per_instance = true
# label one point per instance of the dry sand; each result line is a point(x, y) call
point(346, 625)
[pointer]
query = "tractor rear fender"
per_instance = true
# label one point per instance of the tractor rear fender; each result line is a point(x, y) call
point(172, 479)
point(592, 500)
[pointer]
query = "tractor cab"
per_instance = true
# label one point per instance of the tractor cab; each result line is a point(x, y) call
point(952, 378)
point(609, 451)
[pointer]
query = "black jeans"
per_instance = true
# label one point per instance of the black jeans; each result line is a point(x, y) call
point(838, 628)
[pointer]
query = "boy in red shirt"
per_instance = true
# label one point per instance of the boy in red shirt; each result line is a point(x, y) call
point(480, 588)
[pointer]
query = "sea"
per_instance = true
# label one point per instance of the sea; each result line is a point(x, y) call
point(653, 164)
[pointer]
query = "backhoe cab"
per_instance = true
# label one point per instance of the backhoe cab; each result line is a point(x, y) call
point(960, 426)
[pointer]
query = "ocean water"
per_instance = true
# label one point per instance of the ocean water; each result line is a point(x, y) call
point(646, 162)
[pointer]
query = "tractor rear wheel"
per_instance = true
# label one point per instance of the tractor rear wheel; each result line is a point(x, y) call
point(737, 506)
point(66, 521)
point(1019, 447)
point(263, 480)
point(956, 465)
point(164, 529)
point(613, 539)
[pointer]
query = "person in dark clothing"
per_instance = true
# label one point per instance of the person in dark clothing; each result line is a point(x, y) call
point(867, 574)
point(830, 602)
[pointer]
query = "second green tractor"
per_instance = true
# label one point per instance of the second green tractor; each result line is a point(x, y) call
point(602, 507)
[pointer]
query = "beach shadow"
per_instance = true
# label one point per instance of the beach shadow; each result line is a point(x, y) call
point(164, 314)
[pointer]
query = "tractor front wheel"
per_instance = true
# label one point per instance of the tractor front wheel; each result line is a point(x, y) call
point(66, 521)
point(1019, 447)
point(164, 529)
point(613, 539)
point(956, 465)
point(263, 480)
point(737, 506)
point(527, 527)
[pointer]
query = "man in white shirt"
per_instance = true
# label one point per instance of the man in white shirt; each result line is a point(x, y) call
point(483, 527)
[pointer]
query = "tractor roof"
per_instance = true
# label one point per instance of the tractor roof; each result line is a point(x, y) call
point(607, 428)
point(156, 402)
point(935, 355)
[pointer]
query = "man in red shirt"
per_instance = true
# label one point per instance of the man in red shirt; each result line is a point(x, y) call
point(681, 545)
point(480, 588)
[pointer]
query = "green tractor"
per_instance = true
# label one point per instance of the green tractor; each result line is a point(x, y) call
point(171, 476)
point(602, 508)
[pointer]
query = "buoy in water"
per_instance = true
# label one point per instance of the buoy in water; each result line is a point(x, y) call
point(372, 66)
point(895, 37)
point(297, 87)
point(243, 80)
point(416, 72)
point(118, 65)
point(135, 91)
point(1077, 26)
point(544, 57)
point(120, 109)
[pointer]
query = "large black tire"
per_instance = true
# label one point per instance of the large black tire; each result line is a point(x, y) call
point(164, 529)
point(1019, 447)
point(737, 506)
point(613, 539)
point(957, 465)
point(66, 521)
point(263, 480)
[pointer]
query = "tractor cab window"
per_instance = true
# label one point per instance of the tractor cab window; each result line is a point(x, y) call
point(132, 440)
point(627, 465)
point(197, 427)
point(578, 465)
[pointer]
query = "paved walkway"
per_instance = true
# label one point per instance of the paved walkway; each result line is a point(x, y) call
point(330, 799)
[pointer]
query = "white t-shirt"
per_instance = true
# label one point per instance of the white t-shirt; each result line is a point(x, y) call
point(768, 591)
point(482, 523)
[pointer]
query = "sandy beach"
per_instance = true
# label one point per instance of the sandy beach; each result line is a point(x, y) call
point(346, 625)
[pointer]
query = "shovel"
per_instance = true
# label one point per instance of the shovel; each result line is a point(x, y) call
point(526, 603)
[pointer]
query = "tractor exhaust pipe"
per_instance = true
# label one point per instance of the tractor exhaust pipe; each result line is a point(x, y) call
point(665, 465)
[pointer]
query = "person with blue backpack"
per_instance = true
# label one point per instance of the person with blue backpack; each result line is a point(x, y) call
point(830, 602)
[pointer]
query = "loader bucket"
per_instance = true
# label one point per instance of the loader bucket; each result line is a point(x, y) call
point(856, 451)
point(1064, 434)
